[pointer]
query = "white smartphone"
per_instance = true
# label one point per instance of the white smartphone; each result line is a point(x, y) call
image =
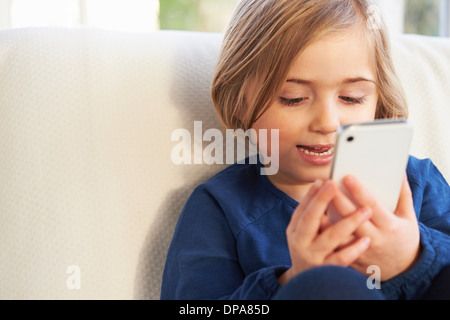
point(376, 153)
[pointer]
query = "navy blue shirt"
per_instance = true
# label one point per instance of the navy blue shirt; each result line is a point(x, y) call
point(230, 240)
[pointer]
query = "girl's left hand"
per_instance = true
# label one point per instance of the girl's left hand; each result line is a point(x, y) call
point(395, 237)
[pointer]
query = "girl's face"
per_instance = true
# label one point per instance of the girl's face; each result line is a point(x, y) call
point(332, 82)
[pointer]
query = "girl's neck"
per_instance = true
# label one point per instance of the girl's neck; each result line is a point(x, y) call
point(294, 190)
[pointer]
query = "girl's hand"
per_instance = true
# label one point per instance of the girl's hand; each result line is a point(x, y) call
point(310, 246)
point(395, 237)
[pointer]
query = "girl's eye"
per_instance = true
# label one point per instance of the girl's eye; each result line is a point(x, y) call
point(352, 101)
point(292, 102)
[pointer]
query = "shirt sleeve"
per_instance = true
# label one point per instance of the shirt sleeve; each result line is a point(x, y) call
point(431, 195)
point(202, 261)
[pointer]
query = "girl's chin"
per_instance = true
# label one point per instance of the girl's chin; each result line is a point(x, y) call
point(299, 175)
point(315, 173)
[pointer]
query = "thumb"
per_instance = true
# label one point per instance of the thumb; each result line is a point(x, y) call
point(405, 205)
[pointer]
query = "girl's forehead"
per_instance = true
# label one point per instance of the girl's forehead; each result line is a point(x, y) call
point(343, 54)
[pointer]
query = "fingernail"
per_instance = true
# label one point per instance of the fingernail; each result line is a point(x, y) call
point(328, 185)
point(366, 242)
point(317, 183)
point(349, 180)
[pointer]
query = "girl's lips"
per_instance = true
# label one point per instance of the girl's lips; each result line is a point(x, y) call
point(317, 155)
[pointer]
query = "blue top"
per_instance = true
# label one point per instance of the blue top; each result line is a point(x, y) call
point(230, 241)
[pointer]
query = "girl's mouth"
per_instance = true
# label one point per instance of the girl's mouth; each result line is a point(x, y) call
point(318, 155)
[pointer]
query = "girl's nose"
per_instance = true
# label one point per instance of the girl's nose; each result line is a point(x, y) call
point(325, 119)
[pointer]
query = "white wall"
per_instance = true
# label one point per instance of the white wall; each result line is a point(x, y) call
point(393, 14)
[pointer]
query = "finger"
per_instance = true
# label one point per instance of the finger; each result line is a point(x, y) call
point(350, 239)
point(362, 197)
point(349, 254)
point(309, 221)
point(300, 208)
point(344, 207)
point(405, 206)
point(340, 232)
point(325, 223)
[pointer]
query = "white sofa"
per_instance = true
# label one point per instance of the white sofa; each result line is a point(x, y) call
point(89, 194)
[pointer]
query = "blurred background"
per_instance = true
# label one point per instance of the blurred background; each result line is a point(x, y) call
point(427, 17)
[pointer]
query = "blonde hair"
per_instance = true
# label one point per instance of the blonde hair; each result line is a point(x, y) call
point(264, 38)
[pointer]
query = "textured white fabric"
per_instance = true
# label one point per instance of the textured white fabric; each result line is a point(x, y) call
point(86, 118)
point(423, 64)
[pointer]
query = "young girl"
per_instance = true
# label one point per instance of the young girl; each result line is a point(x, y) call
point(305, 68)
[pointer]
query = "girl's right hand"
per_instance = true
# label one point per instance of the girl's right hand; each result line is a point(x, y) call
point(310, 245)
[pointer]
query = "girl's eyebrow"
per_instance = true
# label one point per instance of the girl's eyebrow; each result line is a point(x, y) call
point(358, 79)
point(345, 81)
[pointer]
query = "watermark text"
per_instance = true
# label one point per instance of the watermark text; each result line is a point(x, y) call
point(236, 145)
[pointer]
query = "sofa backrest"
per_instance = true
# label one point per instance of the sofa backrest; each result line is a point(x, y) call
point(423, 65)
